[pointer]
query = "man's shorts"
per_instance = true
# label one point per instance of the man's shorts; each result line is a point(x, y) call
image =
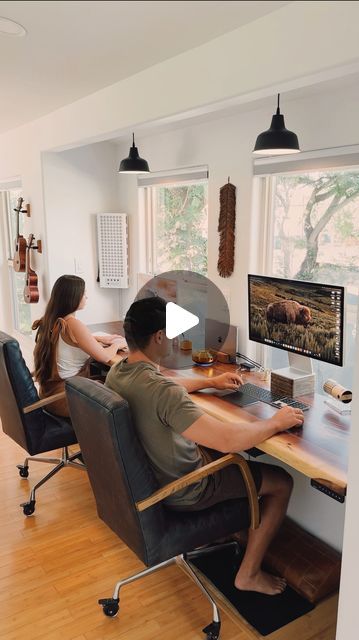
point(225, 484)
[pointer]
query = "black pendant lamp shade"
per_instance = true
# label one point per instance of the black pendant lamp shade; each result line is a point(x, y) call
point(133, 164)
point(277, 140)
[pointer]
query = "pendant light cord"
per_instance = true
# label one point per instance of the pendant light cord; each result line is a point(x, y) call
point(278, 111)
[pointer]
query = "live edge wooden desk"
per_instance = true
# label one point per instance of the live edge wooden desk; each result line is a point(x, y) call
point(319, 449)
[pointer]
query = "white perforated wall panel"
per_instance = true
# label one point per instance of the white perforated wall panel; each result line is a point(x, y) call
point(112, 238)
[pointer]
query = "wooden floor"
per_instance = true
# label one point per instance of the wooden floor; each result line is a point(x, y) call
point(55, 564)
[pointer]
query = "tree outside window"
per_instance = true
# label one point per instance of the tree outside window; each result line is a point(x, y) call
point(316, 238)
point(180, 227)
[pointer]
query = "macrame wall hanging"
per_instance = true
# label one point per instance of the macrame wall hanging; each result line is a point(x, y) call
point(226, 229)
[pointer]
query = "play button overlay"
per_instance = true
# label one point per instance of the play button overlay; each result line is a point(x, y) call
point(196, 317)
point(178, 320)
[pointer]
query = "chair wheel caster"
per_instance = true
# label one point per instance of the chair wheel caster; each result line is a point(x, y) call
point(110, 606)
point(23, 471)
point(28, 508)
point(212, 631)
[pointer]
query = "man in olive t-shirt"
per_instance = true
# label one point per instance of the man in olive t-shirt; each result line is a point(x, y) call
point(178, 437)
point(161, 411)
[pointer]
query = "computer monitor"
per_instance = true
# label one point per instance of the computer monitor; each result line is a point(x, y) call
point(303, 318)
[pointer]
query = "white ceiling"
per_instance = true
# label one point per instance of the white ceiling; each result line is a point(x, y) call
point(75, 48)
point(241, 104)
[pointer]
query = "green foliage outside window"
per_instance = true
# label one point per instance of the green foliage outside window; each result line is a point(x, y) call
point(181, 228)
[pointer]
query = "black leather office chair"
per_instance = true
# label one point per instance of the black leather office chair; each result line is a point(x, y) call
point(129, 499)
point(26, 421)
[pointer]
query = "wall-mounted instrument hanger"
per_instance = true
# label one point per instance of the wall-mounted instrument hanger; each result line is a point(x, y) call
point(19, 260)
point(31, 292)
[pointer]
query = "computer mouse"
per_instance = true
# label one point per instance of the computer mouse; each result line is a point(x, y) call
point(279, 404)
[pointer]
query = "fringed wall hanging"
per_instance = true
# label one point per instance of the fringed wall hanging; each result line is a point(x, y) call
point(226, 229)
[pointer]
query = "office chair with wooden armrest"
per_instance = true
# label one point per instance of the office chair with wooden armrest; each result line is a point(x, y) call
point(130, 502)
point(25, 419)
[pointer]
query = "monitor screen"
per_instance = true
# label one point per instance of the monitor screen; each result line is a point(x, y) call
point(306, 318)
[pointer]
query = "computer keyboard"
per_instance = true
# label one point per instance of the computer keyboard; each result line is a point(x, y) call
point(264, 395)
point(275, 400)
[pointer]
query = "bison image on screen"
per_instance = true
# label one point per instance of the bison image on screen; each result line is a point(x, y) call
point(289, 312)
point(303, 317)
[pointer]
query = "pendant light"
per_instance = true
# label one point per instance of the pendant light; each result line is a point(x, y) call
point(133, 164)
point(277, 140)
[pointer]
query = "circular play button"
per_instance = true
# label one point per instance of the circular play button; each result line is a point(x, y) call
point(197, 317)
point(178, 320)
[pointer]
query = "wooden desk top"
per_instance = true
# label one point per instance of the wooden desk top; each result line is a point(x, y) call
point(319, 449)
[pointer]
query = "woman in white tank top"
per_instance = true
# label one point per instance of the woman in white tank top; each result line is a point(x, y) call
point(70, 359)
point(64, 344)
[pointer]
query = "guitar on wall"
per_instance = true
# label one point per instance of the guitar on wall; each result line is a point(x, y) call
point(19, 260)
point(31, 292)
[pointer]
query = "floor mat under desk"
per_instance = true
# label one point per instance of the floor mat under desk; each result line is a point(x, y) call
point(265, 613)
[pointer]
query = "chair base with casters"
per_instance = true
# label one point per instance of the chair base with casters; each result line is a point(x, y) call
point(24, 418)
point(130, 502)
point(111, 606)
point(66, 460)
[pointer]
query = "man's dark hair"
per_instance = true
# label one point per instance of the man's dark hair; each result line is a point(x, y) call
point(142, 320)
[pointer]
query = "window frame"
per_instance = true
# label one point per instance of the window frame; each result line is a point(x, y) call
point(9, 251)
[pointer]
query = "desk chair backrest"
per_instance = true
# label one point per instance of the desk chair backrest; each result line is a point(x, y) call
point(118, 468)
point(120, 475)
point(38, 431)
point(18, 391)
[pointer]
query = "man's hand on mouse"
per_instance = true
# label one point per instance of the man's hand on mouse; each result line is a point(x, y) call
point(288, 417)
point(227, 380)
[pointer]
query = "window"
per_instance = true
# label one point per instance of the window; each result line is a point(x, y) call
point(21, 310)
point(177, 224)
point(313, 235)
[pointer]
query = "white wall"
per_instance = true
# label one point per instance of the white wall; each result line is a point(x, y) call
point(77, 185)
point(348, 615)
point(225, 145)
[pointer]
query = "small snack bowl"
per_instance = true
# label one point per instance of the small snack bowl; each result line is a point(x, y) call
point(203, 357)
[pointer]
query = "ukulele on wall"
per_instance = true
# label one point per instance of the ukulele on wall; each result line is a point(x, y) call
point(19, 260)
point(31, 292)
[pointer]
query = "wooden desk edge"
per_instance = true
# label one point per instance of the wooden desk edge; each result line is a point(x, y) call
point(314, 468)
point(282, 450)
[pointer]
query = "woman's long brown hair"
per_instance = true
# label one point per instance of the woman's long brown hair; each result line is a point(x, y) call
point(65, 298)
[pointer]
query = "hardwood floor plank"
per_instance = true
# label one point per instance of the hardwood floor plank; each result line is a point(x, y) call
point(37, 626)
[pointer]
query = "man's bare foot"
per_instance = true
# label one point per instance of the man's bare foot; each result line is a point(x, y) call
point(262, 582)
